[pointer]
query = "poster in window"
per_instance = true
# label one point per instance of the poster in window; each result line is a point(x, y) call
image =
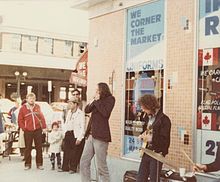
point(208, 89)
point(144, 68)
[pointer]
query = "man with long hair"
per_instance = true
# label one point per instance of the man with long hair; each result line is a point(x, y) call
point(98, 133)
point(157, 136)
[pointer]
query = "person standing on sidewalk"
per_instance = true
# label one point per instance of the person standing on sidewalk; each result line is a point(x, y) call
point(74, 129)
point(55, 139)
point(98, 134)
point(32, 122)
point(157, 136)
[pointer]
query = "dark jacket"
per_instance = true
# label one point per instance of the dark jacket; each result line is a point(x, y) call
point(99, 120)
point(214, 166)
point(161, 133)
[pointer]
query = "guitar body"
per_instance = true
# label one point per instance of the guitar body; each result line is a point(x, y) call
point(146, 136)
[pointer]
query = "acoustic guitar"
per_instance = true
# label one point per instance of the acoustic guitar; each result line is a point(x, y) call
point(145, 138)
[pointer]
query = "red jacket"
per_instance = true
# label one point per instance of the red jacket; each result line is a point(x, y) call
point(30, 120)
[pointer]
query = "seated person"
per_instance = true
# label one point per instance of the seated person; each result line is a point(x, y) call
point(212, 167)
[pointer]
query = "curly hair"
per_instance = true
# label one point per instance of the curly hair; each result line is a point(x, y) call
point(149, 102)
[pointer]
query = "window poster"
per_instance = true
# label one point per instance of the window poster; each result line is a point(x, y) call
point(144, 68)
point(208, 91)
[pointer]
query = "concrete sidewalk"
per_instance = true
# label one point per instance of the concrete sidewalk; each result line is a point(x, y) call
point(13, 171)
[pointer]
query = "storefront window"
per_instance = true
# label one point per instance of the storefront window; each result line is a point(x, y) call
point(16, 42)
point(45, 46)
point(144, 68)
point(29, 44)
point(208, 90)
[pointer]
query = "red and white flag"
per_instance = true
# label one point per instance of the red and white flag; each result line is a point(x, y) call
point(208, 57)
point(208, 121)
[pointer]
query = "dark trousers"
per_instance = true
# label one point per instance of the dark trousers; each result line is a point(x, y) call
point(78, 153)
point(69, 152)
point(29, 136)
point(52, 159)
point(149, 167)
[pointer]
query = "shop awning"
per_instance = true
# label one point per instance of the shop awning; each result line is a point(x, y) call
point(79, 75)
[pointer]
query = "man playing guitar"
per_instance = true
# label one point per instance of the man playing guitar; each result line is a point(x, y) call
point(157, 136)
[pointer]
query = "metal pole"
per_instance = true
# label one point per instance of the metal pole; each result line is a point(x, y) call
point(49, 97)
point(18, 85)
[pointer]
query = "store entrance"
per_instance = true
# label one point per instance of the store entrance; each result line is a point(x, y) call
point(40, 89)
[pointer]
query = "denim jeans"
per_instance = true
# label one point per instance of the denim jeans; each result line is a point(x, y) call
point(149, 167)
point(99, 149)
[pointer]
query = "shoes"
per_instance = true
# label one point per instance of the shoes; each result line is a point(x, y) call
point(40, 167)
point(60, 170)
point(72, 172)
point(27, 167)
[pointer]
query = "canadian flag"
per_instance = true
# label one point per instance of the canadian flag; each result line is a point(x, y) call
point(207, 121)
point(208, 57)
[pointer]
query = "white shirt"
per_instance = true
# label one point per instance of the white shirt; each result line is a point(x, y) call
point(75, 121)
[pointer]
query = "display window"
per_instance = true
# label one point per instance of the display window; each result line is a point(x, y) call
point(144, 69)
point(208, 83)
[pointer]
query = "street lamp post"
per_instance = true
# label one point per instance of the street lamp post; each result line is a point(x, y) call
point(18, 78)
point(49, 90)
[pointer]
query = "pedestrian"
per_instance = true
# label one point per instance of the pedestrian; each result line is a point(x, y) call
point(77, 95)
point(55, 140)
point(211, 167)
point(32, 122)
point(74, 129)
point(11, 113)
point(157, 136)
point(21, 143)
point(98, 134)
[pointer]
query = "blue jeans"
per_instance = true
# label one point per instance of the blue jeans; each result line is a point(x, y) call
point(149, 167)
point(99, 149)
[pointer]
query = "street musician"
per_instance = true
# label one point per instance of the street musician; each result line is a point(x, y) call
point(157, 137)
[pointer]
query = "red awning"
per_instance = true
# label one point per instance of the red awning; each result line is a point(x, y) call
point(80, 77)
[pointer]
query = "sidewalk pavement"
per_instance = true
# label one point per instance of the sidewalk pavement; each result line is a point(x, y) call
point(13, 171)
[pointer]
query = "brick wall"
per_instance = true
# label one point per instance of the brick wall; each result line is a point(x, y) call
point(107, 33)
point(179, 66)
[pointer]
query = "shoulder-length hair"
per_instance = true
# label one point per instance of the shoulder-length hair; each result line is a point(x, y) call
point(104, 90)
point(149, 102)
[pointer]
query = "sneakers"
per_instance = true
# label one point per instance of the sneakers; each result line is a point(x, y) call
point(40, 167)
point(27, 167)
